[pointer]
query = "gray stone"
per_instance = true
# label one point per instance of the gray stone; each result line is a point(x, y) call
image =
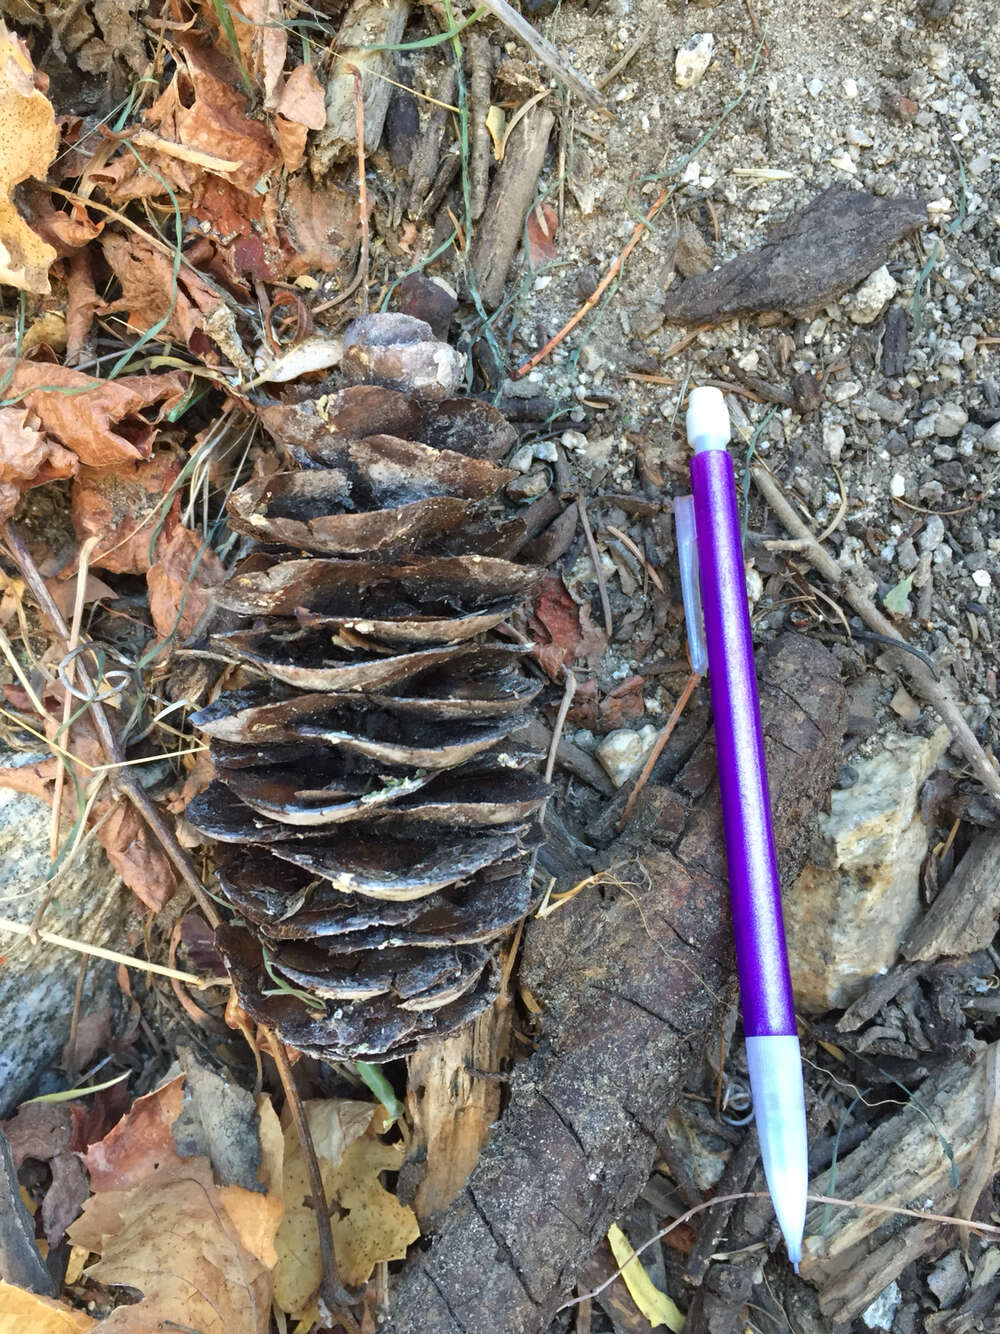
point(881, 1313)
point(37, 981)
point(886, 408)
point(948, 1279)
point(950, 420)
point(990, 440)
point(851, 907)
point(933, 533)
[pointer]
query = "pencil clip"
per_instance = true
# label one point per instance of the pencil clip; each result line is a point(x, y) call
point(687, 555)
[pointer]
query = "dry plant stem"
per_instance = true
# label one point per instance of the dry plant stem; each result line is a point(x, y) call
point(560, 722)
point(629, 55)
point(983, 1228)
point(544, 50)
point(602, 586)
point(361, 275)
point(123, 778)
point(331, 1289)
point(936, 693)
point(99, 952)
point(658, 745)
point(599, 290)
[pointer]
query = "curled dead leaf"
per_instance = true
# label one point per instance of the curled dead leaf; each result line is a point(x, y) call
point(28, 143)
point(28, 457)
point(181, 583)
point(101, 421)
point(123, 507)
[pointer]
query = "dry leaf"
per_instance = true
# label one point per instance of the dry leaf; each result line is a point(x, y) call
point(323, 225)
point(334, 1124)
point(140, 1144)
point(181, 583)
point(123, 507)
point(303, 99)
point(49, 330)
point(28, 143)
point(256, 1218)
point(541, 230)
point(202, 108)
point(262, 39)
point(373, 1225)
point(82, 304)
point(292, 142)
point(28, 457)
point(178, 1247)
point(137, 856)
point(101, 421)
point(24, 1312)
point(145, 275)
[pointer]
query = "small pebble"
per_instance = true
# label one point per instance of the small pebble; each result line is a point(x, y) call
point(524, 489)
point(990, 441)
point(693, 59)
point(815, 87)
point(834, 437)
point(897, 487)
point(872, 297)
point(621, 752)
point(933, 533)
point(982, 578)
point(847, 776)
point(850, 88)
point(950, 420)
point(885, 408)
point(522, 458)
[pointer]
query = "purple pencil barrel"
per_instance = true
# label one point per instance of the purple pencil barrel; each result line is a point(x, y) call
point(755, 891)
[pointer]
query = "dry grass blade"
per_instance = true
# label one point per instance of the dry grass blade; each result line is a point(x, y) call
point(115, 956)
point(658, 745)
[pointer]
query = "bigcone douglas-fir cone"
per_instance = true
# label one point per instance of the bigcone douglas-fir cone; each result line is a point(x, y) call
point(376, 817)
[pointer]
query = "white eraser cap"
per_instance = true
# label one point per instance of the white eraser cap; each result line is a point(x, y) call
point(707, 420)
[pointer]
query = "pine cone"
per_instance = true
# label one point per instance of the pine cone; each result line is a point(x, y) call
point(377, 820)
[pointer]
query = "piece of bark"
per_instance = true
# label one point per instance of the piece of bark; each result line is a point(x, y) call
point(900, 1162)
point(453, 1105)
point(895, 342)
point(629, 984)
point(428, 151)
point(367, 23)
point(810, 259)
point(881, 990)
point(513, 193)
point(20, 1261)
point(963, 917)
point(480, 67)
point(734, 1178)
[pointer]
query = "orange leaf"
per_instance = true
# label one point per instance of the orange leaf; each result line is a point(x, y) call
point(122, 507)
point(101, 421)
point(28, 457)
point(21, 1310)
point(137, 856)
point(140, 1143)
point(28, 143)
point(181, 583)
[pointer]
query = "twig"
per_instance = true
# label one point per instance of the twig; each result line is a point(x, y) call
point(542, 48)
point(560, 722)
point(333, 1291)
point(629, 55)
point(920, 1214)
point(123, 779)
point(601, 287)
point(99, 952)
point(602, 586)
point(362, 269)
point(936, 693)
point(637, 553)
point(658, 745)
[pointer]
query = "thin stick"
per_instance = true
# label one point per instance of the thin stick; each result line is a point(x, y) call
point(601, 287)
point(936, 693)
point(984, 1228)
point(629, 55)
point(99, 952)
point(123, 779)
point(546, 52)
point(560, 722)
point(362, 270)
point(82, 571)
point(602, 586)
point(333, 1291)
point(658, 745)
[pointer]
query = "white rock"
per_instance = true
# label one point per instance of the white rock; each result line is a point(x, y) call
point(522, 459)
point(693, 59)
point(844, 163)
point(950, 420)
point(882, 1312)
point(849, 910)
point(897, 487)
point(990, 440)
point(872, 297)
point(850, 87)
point(982, 578)
point(621, 752)
point(834, 437)
point(815, 87)
point(574, 440)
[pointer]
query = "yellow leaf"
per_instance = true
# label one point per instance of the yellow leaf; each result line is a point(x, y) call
point(78, 1257)
point(496, 124)
point(334, 1124)
point(24, 1312)
point(655, 1305)
point(28, 143)
point(375, 1225)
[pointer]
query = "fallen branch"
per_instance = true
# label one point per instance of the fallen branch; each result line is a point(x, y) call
point(936, 693)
